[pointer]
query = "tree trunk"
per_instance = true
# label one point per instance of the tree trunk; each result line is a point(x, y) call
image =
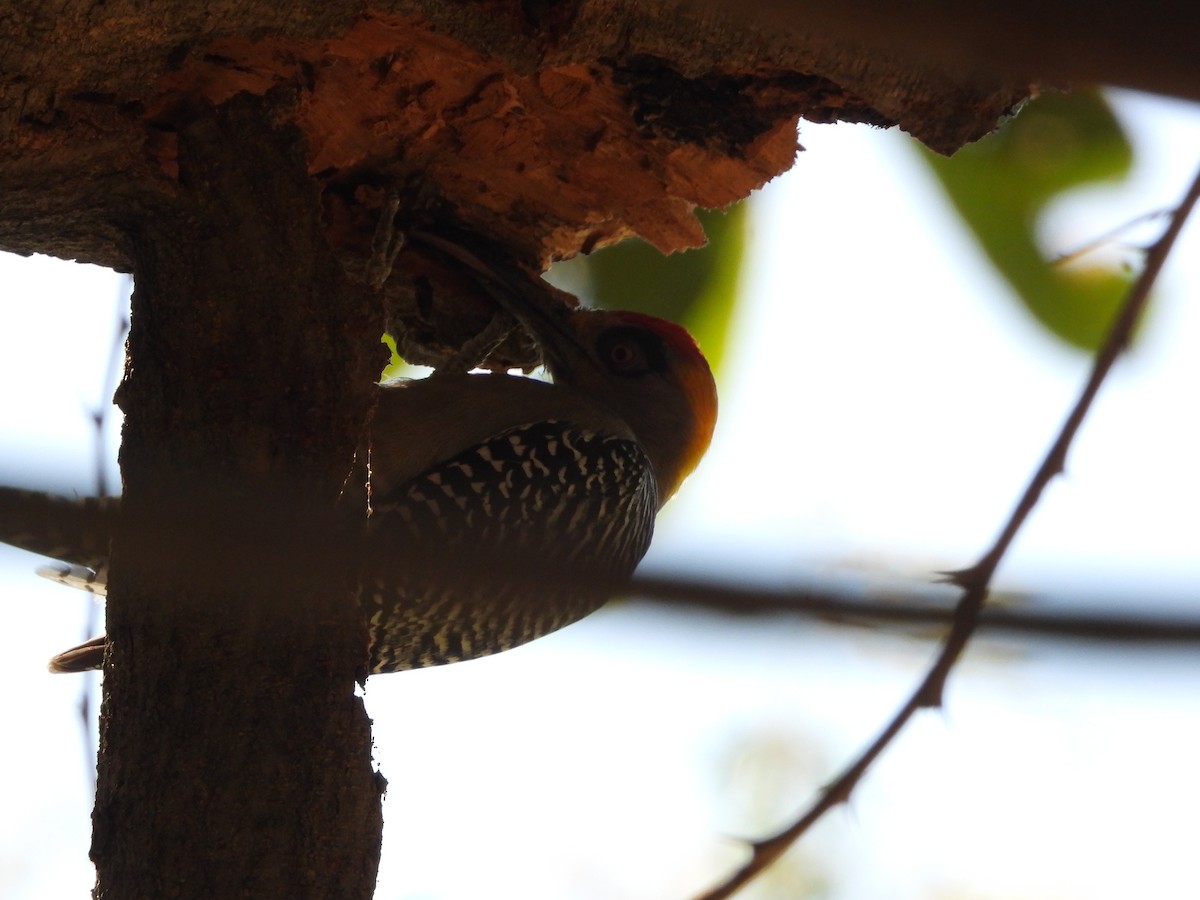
point(236, 756)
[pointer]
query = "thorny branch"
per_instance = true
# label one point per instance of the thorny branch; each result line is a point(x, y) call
point(99, 416)
point(975, 580)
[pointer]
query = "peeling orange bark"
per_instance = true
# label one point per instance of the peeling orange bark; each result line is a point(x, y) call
point(557, 156)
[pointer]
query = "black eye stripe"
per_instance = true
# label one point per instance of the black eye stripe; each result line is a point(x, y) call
point(648, 354)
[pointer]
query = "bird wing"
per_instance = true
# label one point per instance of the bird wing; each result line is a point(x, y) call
point(508, 540)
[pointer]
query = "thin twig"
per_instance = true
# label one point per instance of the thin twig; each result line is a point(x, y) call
point(975, 580)
point(99, 418)
point(1107, 237)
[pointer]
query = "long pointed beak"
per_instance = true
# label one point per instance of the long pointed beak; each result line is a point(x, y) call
point(528, 300)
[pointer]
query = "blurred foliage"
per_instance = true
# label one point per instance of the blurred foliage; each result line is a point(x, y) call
point(696, 288)
point(397, 368)
point(764, 777)
point(1001, 184)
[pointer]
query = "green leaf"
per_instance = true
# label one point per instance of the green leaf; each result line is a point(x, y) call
point(696, 288)
point(397, 367)
point(1001, 185)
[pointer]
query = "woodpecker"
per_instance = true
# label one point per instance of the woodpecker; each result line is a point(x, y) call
point(503, 507)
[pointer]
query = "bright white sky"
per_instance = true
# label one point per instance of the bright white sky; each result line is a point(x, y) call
point(883, 404)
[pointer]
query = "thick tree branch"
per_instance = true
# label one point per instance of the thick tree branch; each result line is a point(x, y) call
point(552, 129)
point(1150, 47)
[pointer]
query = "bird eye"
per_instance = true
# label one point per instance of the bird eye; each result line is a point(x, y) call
point(630, 351)
point(625, 356)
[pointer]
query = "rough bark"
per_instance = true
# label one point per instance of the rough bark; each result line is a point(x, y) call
point(236, 757)
point(1147, 46)
point(559, 126)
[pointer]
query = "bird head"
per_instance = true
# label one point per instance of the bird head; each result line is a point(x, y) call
point(648, 371)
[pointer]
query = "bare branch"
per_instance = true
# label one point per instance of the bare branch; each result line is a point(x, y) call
point(1108, 237)
point(99, 417)
point(914, 609)
point(975, 580)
